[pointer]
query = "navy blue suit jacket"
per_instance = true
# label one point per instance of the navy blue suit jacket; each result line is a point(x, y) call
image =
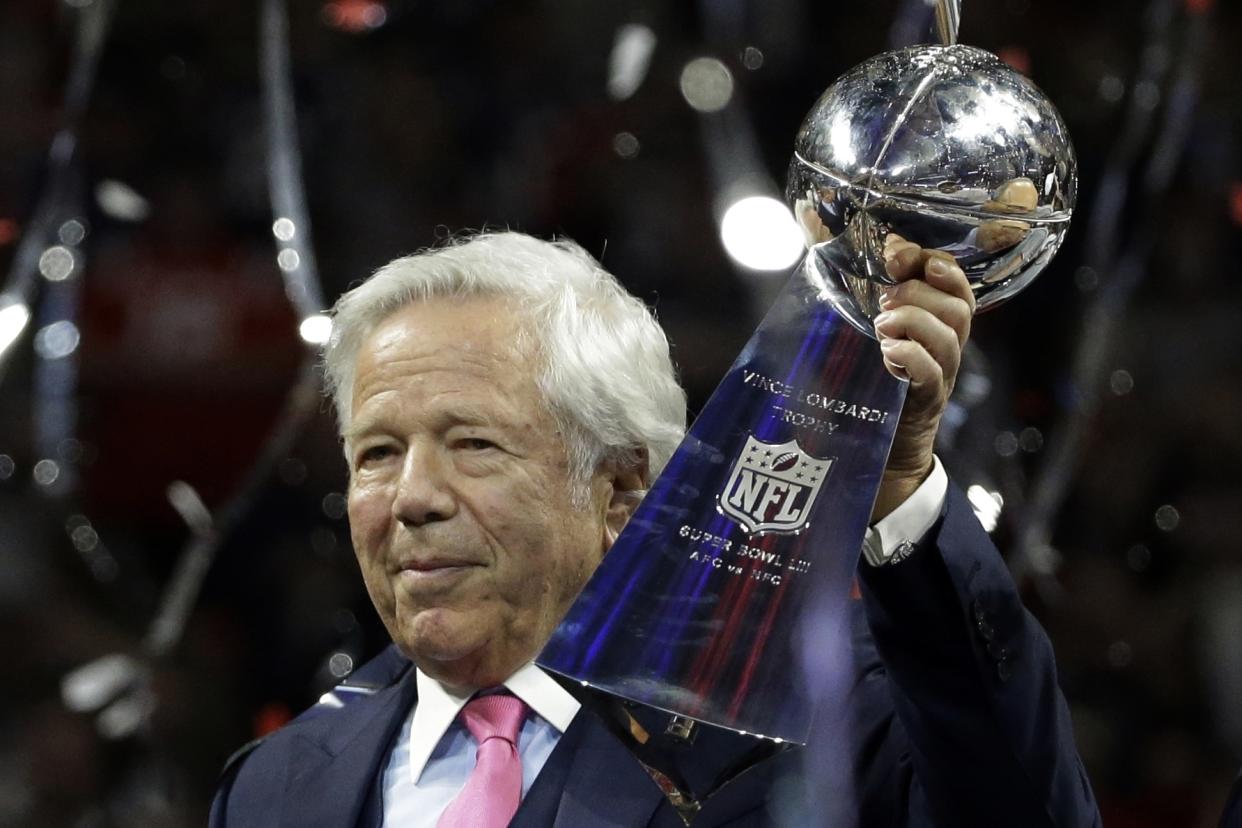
point(955, 721)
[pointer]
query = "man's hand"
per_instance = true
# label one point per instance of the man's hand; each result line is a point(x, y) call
point(923, 327)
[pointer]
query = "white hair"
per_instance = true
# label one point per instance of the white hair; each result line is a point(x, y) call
point(605, 374)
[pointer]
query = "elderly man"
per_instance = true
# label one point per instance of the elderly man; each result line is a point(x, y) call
point(503, 404)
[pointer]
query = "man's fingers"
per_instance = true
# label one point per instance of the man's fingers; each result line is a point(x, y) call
point(942, 271)
point(918, 327)
point(907, 359)
point(902, 259)
point(948, 308)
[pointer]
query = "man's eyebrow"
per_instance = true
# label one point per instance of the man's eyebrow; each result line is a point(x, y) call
point(468, 415)
point(356, 429)
point(360, 426)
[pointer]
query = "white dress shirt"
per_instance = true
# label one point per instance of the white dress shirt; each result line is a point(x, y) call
point(892, 538)
point(434, 753)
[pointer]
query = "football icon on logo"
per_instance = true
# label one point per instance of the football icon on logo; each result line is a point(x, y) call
point(785, 462)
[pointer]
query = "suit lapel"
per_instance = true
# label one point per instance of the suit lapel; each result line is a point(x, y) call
point(332, 773)
point(590, 779)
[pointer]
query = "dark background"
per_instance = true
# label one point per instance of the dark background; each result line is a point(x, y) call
point(1103, 405)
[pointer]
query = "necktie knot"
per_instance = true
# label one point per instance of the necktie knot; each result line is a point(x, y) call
point(495, 716)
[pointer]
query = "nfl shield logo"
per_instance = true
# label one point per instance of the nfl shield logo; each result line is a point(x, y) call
point(772, 487)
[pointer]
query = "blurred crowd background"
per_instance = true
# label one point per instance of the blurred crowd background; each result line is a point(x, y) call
point(1096, 425)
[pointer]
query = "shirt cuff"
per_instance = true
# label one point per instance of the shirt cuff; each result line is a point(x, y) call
point(894, 537)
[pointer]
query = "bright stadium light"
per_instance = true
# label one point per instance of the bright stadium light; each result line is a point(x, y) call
point(630, 59)
point(986, 504)
point(13, 320)
point(316, 329)
point(759, 232)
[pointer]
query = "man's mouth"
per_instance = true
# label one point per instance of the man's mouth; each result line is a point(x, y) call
point(433, 570)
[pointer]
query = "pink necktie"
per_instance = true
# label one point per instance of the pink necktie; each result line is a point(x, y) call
point(494, 790)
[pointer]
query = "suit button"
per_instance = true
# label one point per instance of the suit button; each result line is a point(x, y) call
point(1003, 670)
point(985, 630)
point(977, 609)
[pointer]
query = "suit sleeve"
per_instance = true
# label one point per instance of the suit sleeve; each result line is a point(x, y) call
point(978, 733)
point(218, 818)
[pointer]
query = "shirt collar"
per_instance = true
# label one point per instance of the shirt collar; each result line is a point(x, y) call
point(438, 706)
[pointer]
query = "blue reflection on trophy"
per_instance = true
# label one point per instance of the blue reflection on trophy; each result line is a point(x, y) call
point(701, 606)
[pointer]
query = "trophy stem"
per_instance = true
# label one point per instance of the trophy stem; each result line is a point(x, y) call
point(948, 20)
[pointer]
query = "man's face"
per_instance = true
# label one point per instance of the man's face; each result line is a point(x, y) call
point(459, 498)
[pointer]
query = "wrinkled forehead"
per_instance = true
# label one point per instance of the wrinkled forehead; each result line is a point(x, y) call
point(472, 334)
point(460, 319)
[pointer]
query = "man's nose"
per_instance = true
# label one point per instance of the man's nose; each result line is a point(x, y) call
point(423, 494)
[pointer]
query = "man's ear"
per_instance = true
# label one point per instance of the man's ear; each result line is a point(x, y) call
point(629, 484)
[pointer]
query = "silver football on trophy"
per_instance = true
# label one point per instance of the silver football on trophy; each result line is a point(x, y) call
point(944, 146)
